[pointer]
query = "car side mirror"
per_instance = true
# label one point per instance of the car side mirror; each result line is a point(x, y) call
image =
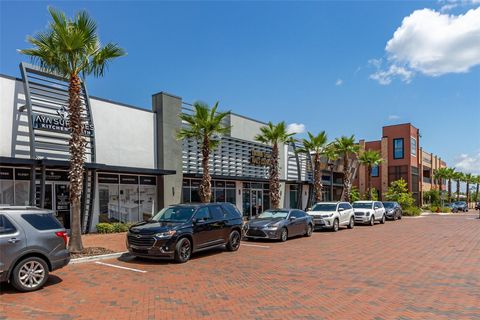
point(309, 209)
point(292, 218)
point(340, 209)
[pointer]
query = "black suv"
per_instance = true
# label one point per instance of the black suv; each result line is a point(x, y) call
point(178, 231)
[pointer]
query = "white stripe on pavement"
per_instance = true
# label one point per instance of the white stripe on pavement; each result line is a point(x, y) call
point(119, 267)
point(254, 245)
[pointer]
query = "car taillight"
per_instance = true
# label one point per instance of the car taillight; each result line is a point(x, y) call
point(62, 234)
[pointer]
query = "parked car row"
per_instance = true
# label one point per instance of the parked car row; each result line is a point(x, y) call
point(458, 206)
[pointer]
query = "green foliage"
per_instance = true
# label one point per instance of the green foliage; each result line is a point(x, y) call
point(354, 194)
point(274, 134)
point(346, 146)
point(432, 197)
point(373, 194)
point(412, 211)
point(203, 123)
point(112, 227)
point(398, 191)
point(370, 158)
point(314, 143)
point(71, 46)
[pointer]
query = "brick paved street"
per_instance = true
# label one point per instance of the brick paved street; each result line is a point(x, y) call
point(416, 268)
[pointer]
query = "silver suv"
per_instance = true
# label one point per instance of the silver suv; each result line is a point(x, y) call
point(367, 212)
point(332, 215)
point(32, 243)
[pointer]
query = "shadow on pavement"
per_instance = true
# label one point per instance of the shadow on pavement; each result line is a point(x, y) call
point(7, 288)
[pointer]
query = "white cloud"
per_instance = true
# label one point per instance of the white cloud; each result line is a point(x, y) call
point(468, 163)
point(296, 128)
point(393, 117)
point(339, 82)
point(431, 43)
point(448, 5)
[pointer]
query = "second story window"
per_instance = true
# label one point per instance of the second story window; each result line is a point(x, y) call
point(398, 148)
point(413, 146)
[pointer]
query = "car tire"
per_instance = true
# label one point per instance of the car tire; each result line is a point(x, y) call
point(336, 225)
point(233, 241)
point(283, 234)
point(33, 270)
point(183, 250)
point(400, 217)
point(309, 231)
point(351, 224)
point(372, 221)
point(382, 221)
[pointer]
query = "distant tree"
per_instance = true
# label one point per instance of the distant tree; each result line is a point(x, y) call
point(370, 159)
point(458, 177)
point(347, 149)
point(332, 156)
point(398, 191)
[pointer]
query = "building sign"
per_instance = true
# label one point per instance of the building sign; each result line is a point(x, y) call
point(53, 175)
point(58, 124)
point(6, 173)
point(108, 178)
point(260, 158)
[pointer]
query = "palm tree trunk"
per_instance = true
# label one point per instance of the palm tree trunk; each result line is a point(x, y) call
point(468, 193)
point(331, 183)
point(458, 190)
point(77, 158)
point(346, 180)
point(449, 189)
point(369, 182)
point(274, 178)
point(317, 179)
point(205, 188)
point(476, 192)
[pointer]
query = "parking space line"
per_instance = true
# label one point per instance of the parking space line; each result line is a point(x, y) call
point(255, 245)
point(119, 267)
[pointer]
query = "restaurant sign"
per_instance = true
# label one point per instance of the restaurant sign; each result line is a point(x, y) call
point(260, 158)
point(58, 124)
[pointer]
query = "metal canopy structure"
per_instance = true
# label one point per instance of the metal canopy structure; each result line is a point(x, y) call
point(46, 97)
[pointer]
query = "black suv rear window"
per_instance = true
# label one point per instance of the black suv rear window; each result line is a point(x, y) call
point(42, 221)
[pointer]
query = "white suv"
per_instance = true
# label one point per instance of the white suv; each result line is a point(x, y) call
point(367, 212)
point(332, 215)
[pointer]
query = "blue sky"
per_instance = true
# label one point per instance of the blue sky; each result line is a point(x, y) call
point(321, 64)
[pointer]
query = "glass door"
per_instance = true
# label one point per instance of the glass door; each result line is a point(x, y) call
point(257, 202)
point(62, 203)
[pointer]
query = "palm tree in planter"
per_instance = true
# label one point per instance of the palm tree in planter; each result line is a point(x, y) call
point(274, 135)
point(315, 144)
point(71, 49)
point(204, 125)
point(347, 149)
point(370, 159)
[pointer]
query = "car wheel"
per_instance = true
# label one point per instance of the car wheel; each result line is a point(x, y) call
point(183, 250)
point(233, 241)
point(352, 223)
point(383, 219)
point(283, 235)
point(372, 221)
point(335, 225)
point(400, 216)
point(30, 274)
point(309, 231)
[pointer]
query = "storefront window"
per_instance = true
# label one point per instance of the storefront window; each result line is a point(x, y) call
point(22, 193)
point(6, 192)
point(293, 196)
point(148, 194)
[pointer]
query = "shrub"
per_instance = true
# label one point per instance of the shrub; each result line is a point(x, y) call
point(445, 210)
point(398, 191)
point(354, 194)
point(115, 227)
point(104, 227)
point(412, 211)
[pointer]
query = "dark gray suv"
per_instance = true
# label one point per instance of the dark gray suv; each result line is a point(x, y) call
point(32, 243)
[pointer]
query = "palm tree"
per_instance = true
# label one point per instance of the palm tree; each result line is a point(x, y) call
point(458, 177)
point(316, 145)
point(440, 174)
point(477, 182)
point(346, 149)
point(71, 49)
point(468, 178)
point(370, 158)
point(449, 174)
point(332, 156)
point(274, 134)
point(203, 125)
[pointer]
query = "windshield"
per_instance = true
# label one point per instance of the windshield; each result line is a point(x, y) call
point(324, 207)
point(273, 214)
point(389, 205)
point(174, 214)
point(362, 205)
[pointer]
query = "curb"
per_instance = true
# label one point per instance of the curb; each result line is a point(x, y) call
point(99, 257)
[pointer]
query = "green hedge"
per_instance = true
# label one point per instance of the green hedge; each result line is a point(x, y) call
point(115, 227)
point(412, 211)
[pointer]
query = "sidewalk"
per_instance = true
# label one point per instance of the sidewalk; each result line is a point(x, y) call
point(112, 241)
